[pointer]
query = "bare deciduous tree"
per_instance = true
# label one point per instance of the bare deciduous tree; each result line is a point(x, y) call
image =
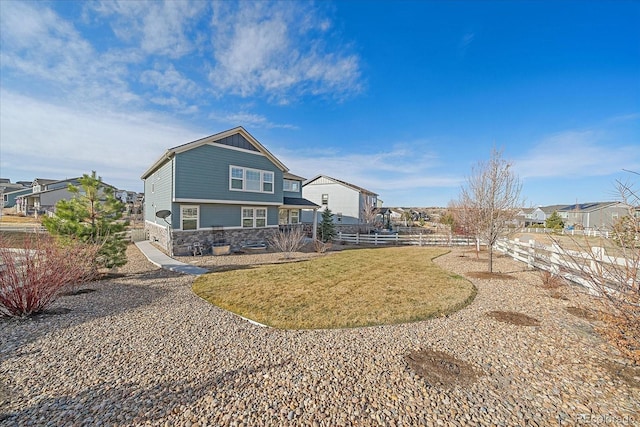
point(369, 213)
point(615, 279)
point(490, 199)
point(463, 221)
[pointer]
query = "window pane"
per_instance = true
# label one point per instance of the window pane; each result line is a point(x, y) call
point(261, 213)
point(294, 216)
point(253, 180)
point(283, 216)
point(267, 187)
point(260, 222)
point(236, 173)
point(267, 177)
point(247, 213)
point(236, 184)
point(247, 223)
point(189, 224)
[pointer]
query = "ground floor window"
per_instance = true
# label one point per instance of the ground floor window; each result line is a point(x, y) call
point(189, 217)
point(254, 217)
point(289, 216)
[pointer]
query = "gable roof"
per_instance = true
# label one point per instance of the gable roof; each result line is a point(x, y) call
point(43, 181)
point(246, 142)
point(338, 181)
point(588, 207)
point(548, 210)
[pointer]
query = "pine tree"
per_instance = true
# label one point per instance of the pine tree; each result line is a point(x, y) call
point(554, 221)
point(327, 229)
point(92, 216)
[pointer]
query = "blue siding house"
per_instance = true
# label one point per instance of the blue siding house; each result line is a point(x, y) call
point(226, 188)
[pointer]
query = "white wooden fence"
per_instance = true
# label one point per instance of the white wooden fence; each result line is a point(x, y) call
point(588, 232)
point(584, 268)
point(405, 239)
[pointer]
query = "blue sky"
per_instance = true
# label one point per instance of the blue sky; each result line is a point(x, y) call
point(401, 98)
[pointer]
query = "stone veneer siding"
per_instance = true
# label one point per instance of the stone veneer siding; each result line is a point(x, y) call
point(235, 237)
point(158, 234)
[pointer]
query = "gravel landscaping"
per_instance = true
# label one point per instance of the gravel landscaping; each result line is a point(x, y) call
point(144, 350)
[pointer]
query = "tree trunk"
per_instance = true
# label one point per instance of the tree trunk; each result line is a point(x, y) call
point(490, 249)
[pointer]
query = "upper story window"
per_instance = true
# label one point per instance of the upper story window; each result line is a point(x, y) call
point(254, 180)
point(290, 185)
point(325, 199)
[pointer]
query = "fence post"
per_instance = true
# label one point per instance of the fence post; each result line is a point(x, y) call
point(375, 239)
point(554, 259)
point(597, 258)
point(420, 240)
point(531, 254)
point(357, 238)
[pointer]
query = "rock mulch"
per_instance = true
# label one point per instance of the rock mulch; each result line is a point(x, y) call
point(144, 350)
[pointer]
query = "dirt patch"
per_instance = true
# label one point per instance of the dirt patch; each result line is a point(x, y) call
point(488, 276)
point(438, 367)
point(514, 318)
point(628, 374)
point(582, 313)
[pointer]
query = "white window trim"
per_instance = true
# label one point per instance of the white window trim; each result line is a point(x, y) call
point(244, 180)
point(254, 209)
point(182, 207)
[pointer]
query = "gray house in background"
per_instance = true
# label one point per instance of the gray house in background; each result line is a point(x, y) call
point(542, 213)
point(346, 201)
point(43, 195)
point(225, 187)
point(598, 215)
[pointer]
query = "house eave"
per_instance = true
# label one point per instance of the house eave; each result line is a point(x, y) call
point(168, 154)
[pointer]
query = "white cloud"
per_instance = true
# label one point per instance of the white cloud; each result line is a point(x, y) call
point(244, 118)
point(44, 53)
point(158, 27)
point(279, 50)
point(43, 139)
point(378, 171)
point(575, 154)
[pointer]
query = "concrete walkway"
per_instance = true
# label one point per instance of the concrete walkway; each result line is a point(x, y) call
point(157, 257)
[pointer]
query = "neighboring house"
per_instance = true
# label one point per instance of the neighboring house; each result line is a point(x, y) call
point(10, 191)
point(346, 201)
point(524, 217)
point(226, 186)
point(10, 199)
point(43, 195)
point(599, 215)
point(542, 213)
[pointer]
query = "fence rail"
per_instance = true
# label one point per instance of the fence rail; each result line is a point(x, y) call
point(595, 270)
point(23, 228)
point(405, 239)
point(587, 232)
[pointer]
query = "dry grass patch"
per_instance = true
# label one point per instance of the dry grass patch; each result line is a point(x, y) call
point(513, 318)
point(351, 288)
point(438, 367)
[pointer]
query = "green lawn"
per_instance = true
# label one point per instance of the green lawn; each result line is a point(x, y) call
point(351, 288)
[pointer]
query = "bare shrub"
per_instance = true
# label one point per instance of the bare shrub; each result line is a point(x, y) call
point(288, 240)
point(615, 279)
point(321, 247)
point(31, 277)
point(550, 280)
